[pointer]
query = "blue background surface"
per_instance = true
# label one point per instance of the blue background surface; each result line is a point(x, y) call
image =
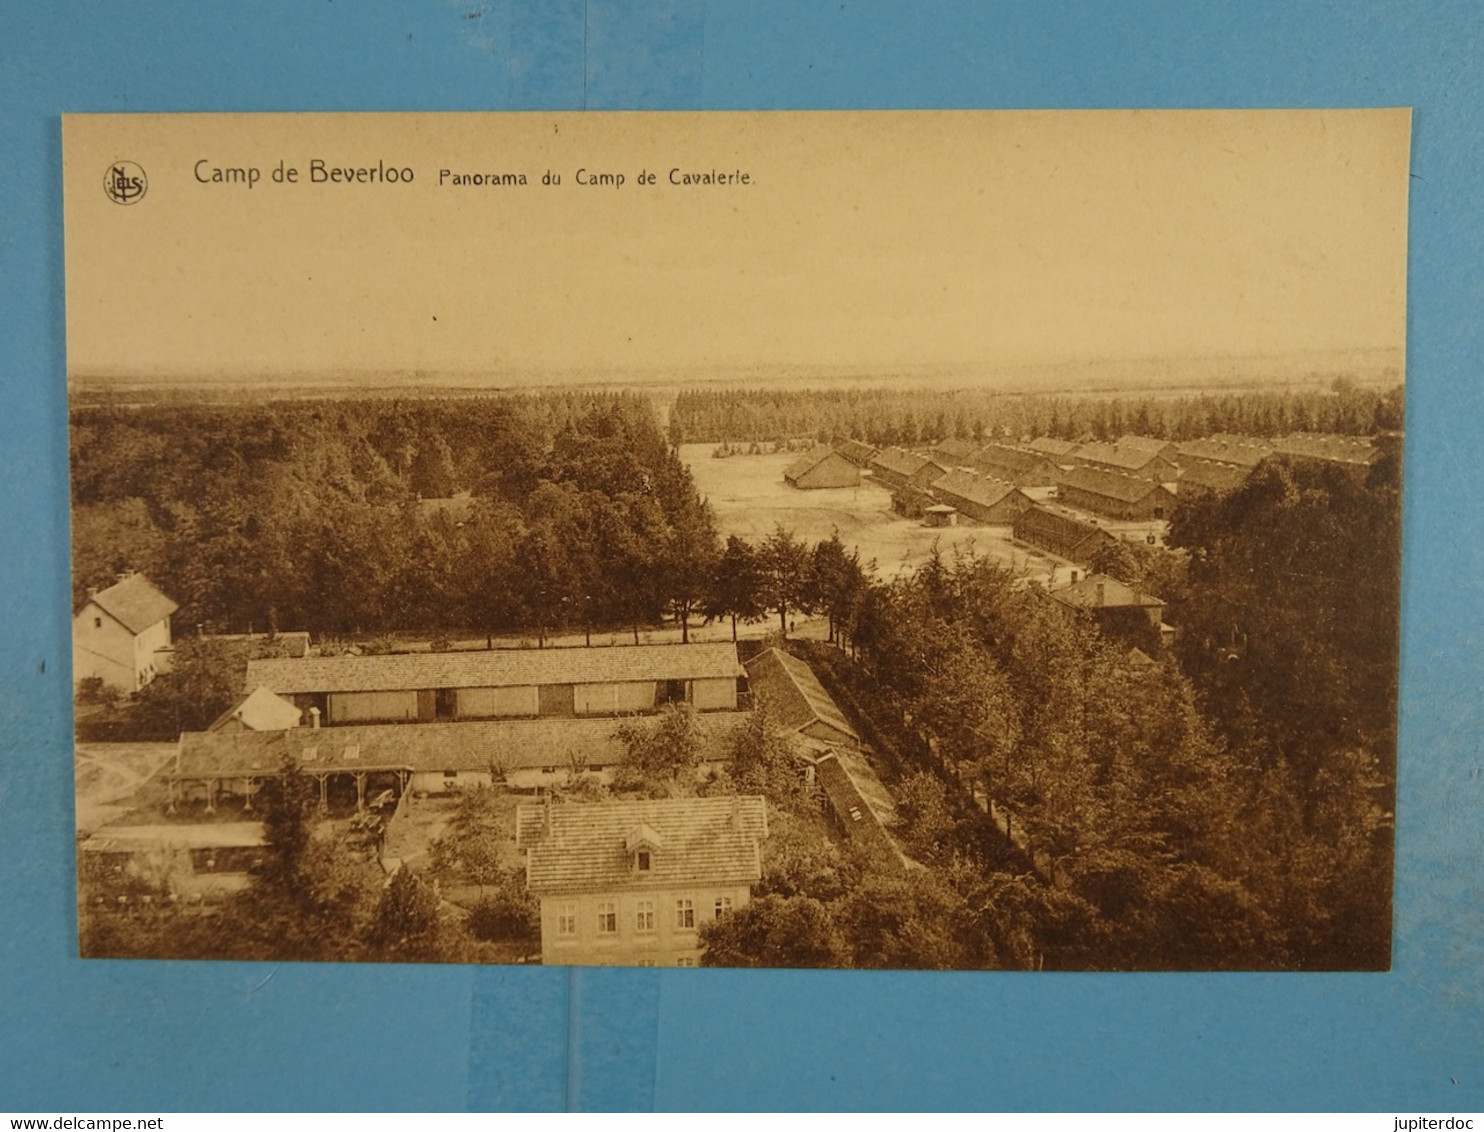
point(78, 1036)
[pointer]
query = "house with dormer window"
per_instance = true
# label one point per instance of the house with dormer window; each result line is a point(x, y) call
point(631, 883)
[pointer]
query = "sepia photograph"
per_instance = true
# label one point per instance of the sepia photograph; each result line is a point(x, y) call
point(883, 540)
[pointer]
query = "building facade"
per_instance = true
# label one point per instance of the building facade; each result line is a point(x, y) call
point(506, 683)
point(632, 883)
point(121, 635)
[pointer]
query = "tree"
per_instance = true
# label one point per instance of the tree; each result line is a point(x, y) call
point(774, 931)
point(906, 923)
point(835, 584)
point(204, 680)
point(661, 756)
point(736, 584)
point(785, 571)
point(408, 923)
point(687, 561)
point(289, 802)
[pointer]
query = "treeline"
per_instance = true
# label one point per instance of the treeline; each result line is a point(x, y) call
point(530, 513)
point(919, 416)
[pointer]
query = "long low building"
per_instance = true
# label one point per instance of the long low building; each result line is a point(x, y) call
point(506, 683)
point(1116, 496)
point(1062, 533)
point(433, 759)
point(982, 498)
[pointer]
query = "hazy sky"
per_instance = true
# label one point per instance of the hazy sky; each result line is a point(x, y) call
point(864, 240)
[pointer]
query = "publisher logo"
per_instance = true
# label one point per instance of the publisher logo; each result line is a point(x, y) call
point(125, 183)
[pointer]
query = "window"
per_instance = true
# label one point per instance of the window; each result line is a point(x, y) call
point(685, 915)
point(97, 622)
point(450, 774)
point(723, 905)
point(644, 860)
point(685, 961)
point(567, 920)
point(645, 963)
point(607, 918)
point(644, 916)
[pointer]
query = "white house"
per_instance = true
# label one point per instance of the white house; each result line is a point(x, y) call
point(120, 634)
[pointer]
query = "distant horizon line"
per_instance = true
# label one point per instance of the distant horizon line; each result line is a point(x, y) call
point(1385, 364)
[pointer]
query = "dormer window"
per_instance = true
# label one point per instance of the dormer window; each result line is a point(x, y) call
point(641, 845)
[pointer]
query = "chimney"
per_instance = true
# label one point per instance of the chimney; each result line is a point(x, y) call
point(314, 717)
point(92, 591)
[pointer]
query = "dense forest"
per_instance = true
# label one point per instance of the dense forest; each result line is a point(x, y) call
point(1227, 805)
point(901, 416)
point(488, 515)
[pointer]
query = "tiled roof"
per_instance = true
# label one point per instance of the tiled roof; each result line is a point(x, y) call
point(954, 449)
point(862, 821)
point(1050, 446)
point(1242, 451)
point(496, 668)
point(260, 710)
point(1215, 477)
point(1150, 444)
point(513, 744)
point(808, 462)
point(1099, 591)
point(1335, 449)
point(856, 451)
point(900, 461)
point(1111, 484)
point(1015, 459)
point(1117, 455)
point(964, 484)
point(135, 603)
point(578, 847)
point(794, 695)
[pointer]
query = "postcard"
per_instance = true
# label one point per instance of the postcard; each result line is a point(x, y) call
point(919, 540)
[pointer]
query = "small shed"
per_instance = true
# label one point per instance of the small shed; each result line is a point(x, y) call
point(940, 515)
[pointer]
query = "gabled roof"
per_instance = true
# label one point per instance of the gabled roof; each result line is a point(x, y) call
point(260, 710)
point(809, 461)
point(1099, 591)
point(134, 603)
point(1129, 489)
point(497, 668)
point(794, 695)
point(1050, 446)
point(580, 847)
point(954, 449)
point(983, 490)
point(1132, 442)
point(1356, 450)
point(1117, 455)
point(1213, 477)
point(902, 462)
point(511, 744)
point(1015, 459)
point(1242, 451)
point(849, 796)
point(856, 451)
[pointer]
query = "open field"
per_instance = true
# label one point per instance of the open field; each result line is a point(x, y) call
point(750, 498)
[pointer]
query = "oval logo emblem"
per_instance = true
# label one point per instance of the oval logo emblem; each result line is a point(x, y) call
point(125, 183)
